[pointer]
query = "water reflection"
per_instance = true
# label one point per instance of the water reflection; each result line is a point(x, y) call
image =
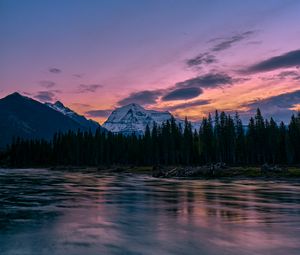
point(52, 212)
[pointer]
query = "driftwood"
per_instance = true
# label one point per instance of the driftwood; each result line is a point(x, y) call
point(206, 170)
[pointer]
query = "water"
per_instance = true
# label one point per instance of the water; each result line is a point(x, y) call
point(54, 212)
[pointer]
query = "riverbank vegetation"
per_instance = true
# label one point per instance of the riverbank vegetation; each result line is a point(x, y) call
point(221, 138)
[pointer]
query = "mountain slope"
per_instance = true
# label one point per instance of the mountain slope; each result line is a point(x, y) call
point(88, 124)
point(133, 118)
point(27, 118)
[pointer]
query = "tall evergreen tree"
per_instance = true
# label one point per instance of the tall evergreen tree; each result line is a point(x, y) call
point(170, 144)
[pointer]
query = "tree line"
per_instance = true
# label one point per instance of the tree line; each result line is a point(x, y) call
point(221, 138)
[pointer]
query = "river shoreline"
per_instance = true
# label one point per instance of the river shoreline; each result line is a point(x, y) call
point(186, 172)
point(189, 172)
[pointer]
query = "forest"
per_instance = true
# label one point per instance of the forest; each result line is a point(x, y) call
point(221, 138)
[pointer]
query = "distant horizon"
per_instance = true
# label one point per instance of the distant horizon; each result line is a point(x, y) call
point(232, 113)
point(187, 57)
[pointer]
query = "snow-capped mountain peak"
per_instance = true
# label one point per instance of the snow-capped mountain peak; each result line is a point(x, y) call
point(133, 118)
point(128, 113)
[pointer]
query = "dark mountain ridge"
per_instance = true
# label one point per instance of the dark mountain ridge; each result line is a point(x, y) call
point(24, 117)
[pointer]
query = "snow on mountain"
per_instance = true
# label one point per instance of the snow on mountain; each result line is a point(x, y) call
point(58, 106)
point(133, 118)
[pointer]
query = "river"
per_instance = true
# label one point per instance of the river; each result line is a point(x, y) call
point(59, 212)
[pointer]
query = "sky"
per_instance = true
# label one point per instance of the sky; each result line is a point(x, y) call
point(189, 57)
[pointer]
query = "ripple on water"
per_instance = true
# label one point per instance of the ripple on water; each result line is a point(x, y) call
point(60, 212)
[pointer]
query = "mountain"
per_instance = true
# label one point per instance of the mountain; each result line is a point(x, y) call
point(81, 120)
point(24, 117)
point(133, 118)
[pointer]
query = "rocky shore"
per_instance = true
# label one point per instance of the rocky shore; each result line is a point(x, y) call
point(222, 170)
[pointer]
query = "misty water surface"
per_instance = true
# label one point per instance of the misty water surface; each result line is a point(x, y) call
point(55, 212)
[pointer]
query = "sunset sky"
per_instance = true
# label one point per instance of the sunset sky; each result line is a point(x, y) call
point(189, 57)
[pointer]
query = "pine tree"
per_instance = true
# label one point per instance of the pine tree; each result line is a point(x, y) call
point(240, 153)
point(169, 144)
